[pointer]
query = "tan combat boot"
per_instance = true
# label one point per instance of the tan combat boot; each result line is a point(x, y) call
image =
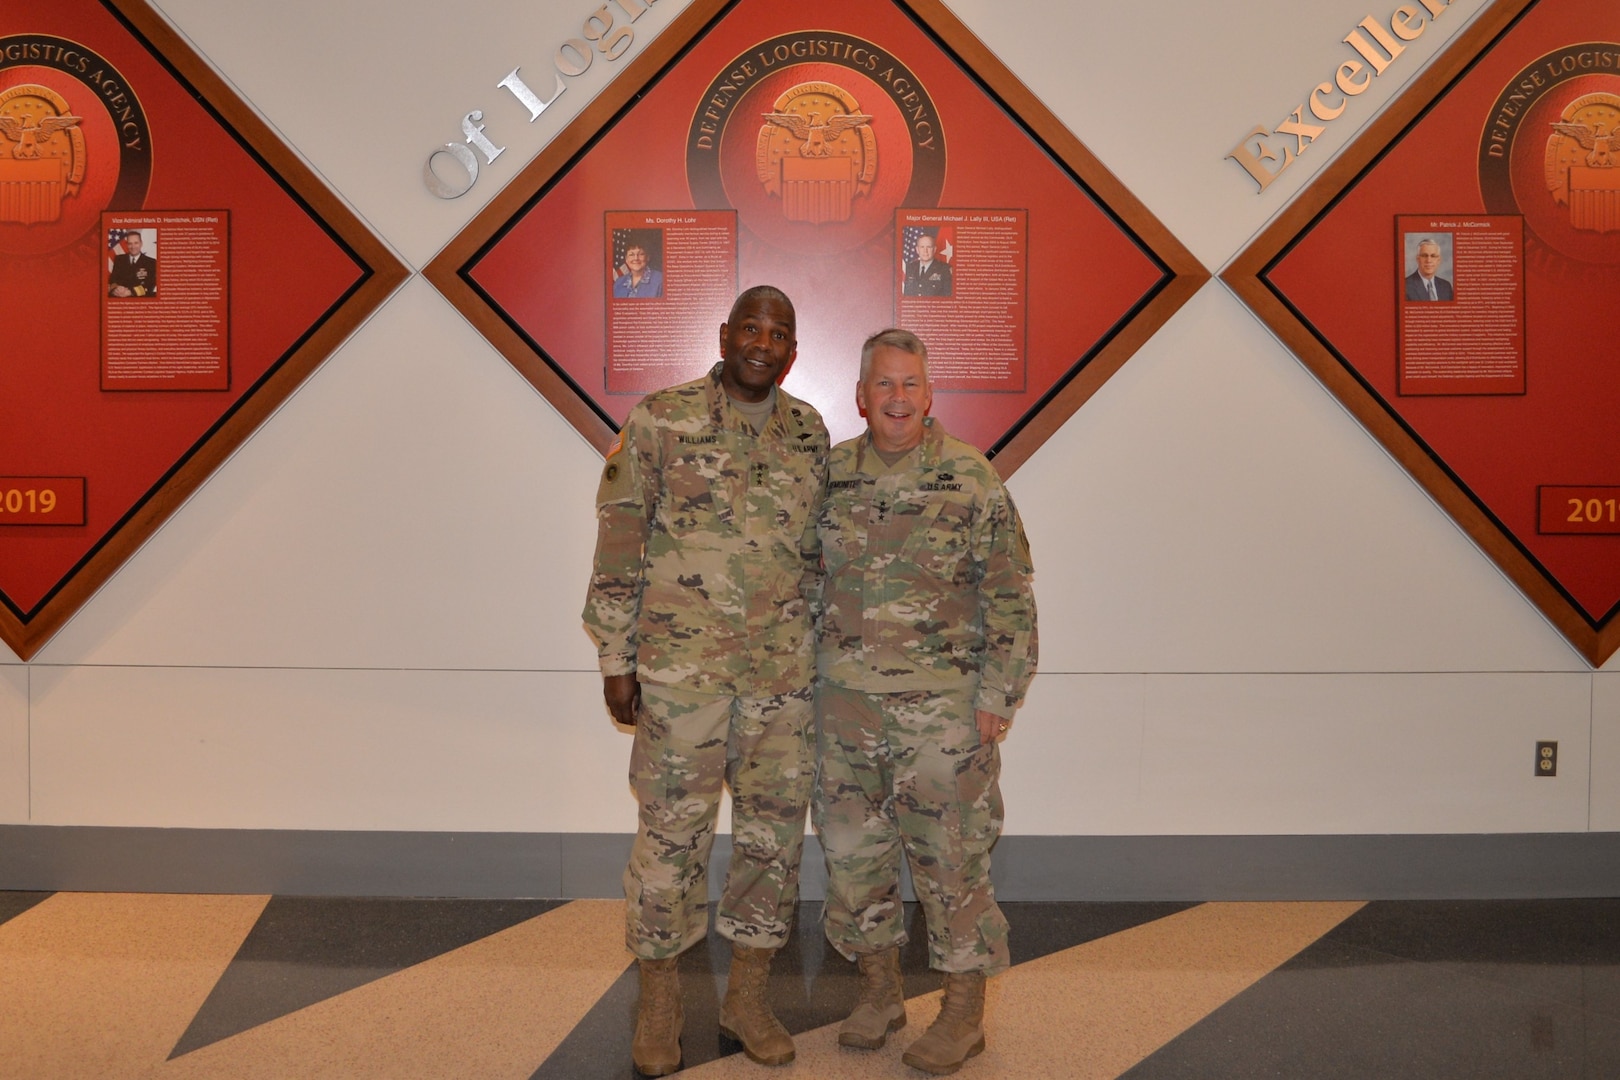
point(958, 1032)
point(656, 1047)
point(745, 1015)
point(882, 1006)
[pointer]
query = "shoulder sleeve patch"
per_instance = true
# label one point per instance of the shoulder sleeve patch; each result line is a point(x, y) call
point(616, 483)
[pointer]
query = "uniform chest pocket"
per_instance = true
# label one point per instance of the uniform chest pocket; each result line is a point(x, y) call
point(941, 545)
point(837, 529)
point(694, 498)
point(796, 498)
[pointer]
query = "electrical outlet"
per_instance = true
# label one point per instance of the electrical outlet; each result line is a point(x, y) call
point(1546, 759)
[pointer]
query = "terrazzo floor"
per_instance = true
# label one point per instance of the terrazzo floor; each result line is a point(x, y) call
point(143, 985)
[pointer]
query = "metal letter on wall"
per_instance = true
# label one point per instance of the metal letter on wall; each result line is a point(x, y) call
point(1452, 279)
point(175, 272)
point(873, 160)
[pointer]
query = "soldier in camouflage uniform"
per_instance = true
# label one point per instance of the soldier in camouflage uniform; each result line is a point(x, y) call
point(926, 647)
point(705, 554)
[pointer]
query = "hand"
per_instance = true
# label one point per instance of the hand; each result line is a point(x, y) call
point(992, 728)
point(623, 696)
point(121, 290)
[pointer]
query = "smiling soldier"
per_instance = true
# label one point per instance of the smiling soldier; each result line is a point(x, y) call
point(926, 647)
point(705, 553)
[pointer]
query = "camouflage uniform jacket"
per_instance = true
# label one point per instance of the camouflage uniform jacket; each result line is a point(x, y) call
point(706, 544)
point(928, 574)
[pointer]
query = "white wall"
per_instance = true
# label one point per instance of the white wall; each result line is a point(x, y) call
point(13, 744)
point(1253, 621)
point(1606, 750)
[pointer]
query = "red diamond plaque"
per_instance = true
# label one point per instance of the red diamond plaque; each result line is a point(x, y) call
point(174, 272)
point(1451, 278)
point(872, 159)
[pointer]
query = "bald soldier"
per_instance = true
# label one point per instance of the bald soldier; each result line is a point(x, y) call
point(705, 553)
point(926, 648)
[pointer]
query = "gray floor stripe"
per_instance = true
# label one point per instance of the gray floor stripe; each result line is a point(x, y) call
point(581, 865)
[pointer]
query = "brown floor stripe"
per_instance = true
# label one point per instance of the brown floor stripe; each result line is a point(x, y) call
point(494, 1008)
point(102, 984)
point(1097, 1009)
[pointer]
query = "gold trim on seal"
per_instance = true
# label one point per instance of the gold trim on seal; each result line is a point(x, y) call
point(817, 152)
point(45, 162)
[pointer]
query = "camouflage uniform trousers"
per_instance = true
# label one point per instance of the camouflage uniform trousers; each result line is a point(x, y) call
point(687, 745)
point(904, 772)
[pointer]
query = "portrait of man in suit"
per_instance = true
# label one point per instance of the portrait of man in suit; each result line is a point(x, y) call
point(926, 275)
point(132, 273)
point(1425, 282)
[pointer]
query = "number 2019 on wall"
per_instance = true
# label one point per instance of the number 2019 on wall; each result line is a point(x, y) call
point(41, 500)
point(1579, 510)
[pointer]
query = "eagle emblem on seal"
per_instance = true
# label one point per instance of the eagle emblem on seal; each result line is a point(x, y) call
point(816, 151)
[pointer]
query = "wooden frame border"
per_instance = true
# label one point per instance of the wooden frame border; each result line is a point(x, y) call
point(1185, 273)
point(382, 272)
point(1244, 276)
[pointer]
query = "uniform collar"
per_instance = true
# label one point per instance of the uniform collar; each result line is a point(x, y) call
point(777, 426)
point(928, 451)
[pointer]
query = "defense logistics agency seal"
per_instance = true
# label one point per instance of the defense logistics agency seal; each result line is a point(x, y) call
point(74, 141)
point(1582, 171)
point(814, 137)
point(817, 152)
point(47, 163)
point(1550, 150)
